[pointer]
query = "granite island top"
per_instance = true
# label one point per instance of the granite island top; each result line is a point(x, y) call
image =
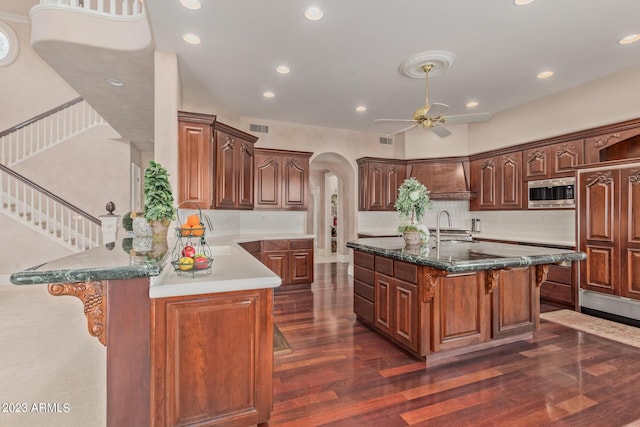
point(459, 257)
point(232, 267)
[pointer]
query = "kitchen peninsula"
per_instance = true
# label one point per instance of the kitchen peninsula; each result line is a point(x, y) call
point(458, 298)
point(194, 348)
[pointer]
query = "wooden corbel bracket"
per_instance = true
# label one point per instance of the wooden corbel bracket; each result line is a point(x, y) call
point(430, 282)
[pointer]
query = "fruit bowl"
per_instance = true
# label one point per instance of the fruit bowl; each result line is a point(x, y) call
point(185, 231)
point(191, 266)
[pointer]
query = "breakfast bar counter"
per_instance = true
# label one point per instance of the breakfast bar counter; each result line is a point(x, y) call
point(461, 297)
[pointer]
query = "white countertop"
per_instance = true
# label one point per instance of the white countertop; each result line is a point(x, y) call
point(234, 269)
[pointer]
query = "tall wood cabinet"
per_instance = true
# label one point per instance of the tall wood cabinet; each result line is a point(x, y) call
point(282, 179)
point(215, 163)
point(497, 181)
point(378, 183)
point(609, 229)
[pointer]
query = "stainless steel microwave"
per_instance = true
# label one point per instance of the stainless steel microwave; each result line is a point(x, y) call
point(552, 193)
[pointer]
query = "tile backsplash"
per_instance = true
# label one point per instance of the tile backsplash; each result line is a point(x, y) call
point(389, 221)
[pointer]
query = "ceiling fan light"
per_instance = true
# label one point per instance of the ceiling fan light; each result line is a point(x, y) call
point(632, 38)
point(545, 74)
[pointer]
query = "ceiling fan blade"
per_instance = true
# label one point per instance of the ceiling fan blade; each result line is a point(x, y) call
point(393, 120)
point(402, 130)
point(441, 131)
point(436, 109)
point(467, 118)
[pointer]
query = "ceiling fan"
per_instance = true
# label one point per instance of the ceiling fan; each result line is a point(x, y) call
point(431, 116)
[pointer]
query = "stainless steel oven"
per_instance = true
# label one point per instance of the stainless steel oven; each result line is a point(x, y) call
point(552, 193)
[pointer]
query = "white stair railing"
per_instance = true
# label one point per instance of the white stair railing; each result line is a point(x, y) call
point(47, 130)
point(47, 213)
point(112, 8)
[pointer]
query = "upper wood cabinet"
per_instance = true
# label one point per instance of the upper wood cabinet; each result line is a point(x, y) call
point(552, 161)
point(497, 181)
point(234, 151)
point(195, 158)
point(378, 182)
point(623, 144)
point(215, 163)
point(281, 179)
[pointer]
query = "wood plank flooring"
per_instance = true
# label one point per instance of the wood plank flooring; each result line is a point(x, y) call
point(341, 374)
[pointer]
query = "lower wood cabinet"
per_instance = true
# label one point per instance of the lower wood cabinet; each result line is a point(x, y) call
point(212, 359)
point(561, 285)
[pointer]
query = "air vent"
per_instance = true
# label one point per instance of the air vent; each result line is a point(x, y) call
point(385, 140)
point(259, 128)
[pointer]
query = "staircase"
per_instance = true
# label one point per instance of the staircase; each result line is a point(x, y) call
point(28, 202)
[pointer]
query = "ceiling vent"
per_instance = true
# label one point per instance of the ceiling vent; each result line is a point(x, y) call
point(386, 140)
point(259, 128)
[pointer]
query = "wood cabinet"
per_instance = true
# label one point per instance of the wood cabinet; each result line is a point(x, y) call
point(212, 360)
point(561, 285)
point(378, 183)
point(282, 179)
point(234, 151)
point(552, 161)
point(609, 229)
point(195, 158)
point(215, 163)
point(363, 287)
point(291, 260)
point(446, 179)
point(497, 181)
point(611, 146)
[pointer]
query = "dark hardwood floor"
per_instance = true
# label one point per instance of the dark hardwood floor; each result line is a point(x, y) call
point(339, 373)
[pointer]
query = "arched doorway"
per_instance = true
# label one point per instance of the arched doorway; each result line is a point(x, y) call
point(333, 206)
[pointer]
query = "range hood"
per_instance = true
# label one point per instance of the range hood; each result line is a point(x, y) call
point(446, 179)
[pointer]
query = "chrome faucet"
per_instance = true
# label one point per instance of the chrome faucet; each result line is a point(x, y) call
point(438, 230)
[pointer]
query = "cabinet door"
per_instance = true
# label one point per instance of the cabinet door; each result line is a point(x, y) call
point(515, 302)
point(278, 262)
point(394, 176)
point(406, 314)
point(244, 168)
point(484, 172)
point(600, 221)
point(194, 163)
point(536, 164)
point(510, 181)
point(630, 233)
point(382, 304)
point(267, 181)
point(565, 157)
point(226, 171)
point(300, 266)
point(363, 187)
point(295, 184)
point(376, 190)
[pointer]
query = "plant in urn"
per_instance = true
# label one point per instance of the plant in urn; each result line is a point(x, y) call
point(411, 204)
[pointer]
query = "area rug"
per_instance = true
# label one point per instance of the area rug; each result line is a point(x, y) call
point(280, 344)
point(624, 334)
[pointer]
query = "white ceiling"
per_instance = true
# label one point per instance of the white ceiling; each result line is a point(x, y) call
point(352, 56)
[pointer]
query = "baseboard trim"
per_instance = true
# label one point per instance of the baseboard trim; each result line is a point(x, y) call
point(609, 316)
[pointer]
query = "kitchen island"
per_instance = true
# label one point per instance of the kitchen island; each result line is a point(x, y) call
point(194, 348)
point(461, 297)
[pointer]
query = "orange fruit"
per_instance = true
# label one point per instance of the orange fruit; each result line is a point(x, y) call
point(197, 231)
point(185, 230)
point(193, 220)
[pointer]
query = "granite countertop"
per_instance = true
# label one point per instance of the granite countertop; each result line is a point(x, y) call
point(459, 257)
point(232, 267)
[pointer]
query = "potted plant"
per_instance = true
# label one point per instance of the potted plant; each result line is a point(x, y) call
point(158, 208)
point(411, 204)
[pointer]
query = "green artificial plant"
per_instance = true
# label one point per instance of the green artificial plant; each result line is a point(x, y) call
point(412, 204)
point(157, 194)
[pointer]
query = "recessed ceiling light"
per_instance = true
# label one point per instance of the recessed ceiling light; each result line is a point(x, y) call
point(283, 69)
point(472, 104)
point(191, 4)
point(313, 13)
point(115, 82)
point(522, 2)
point(361, 108)
point(268, 94)
point(545, 74)
point(629, 39)
point(191, 38)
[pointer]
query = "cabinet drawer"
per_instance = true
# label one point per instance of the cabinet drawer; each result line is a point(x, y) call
point(384, 266)
point(301, 244)
point(559, 274)
point(556, 292)
point(251, 247)
point(363, 275)
point(363, 259)
point(275, 245)
point(406, 272)
point(363, 309)
point(364, 290)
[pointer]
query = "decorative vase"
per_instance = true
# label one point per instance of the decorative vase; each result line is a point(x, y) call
point(141, 227)
point(160, 229)
point(412, 238)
